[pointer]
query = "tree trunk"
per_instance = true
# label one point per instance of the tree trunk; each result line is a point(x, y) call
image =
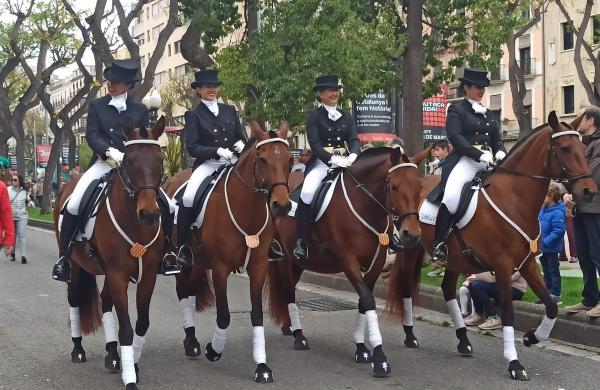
point(412, 90)
point(517, 87)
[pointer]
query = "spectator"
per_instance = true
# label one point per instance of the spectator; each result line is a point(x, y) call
point(465, 297)
point(553, 225)
point(300, 164)
point(482, 290)
point(7, 227)
point(439, 152)
point(587, 218)
point(19, 201)
point(39, 192)
point(396, 141)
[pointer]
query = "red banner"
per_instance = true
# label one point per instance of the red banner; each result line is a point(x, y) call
point(434, 115)
point(43, 153)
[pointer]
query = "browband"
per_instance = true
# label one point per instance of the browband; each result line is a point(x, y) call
point(403, 165)
point(568, 132)
point(261, 143)
point(142, 141)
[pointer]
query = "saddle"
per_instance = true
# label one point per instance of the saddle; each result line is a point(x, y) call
point(322, 196)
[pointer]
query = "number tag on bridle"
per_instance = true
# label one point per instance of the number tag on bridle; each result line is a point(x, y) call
point(137, 250)
point(384, 239)
point(252, 241)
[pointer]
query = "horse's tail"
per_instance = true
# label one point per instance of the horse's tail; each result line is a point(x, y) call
point(89, 303)
point(205, 296)
point(405, 277)
point(279, 273)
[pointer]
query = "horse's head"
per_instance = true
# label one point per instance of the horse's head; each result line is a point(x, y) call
point(404, 188)
point(272, 165)
point(142, 169)
point(567, 160)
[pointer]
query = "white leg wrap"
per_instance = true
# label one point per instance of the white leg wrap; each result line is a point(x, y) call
point(218, 340)
point(359, 329)
point(110, 327)
point(138, 345)
point(543, 331)
point(454, 311)
point(188, 313)
point(510, 352)
point(373, 328)
point(407, 318)
point(294, 316)
point(258, 345)
point(128, 370)
point(463, 294)
point(75, 322)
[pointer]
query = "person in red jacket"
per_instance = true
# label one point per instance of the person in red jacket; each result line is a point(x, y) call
point(7, 227)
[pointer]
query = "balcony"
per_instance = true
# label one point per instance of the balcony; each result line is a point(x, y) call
point(527, 66)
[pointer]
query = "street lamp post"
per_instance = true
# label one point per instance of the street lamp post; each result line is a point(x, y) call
point(152, 101)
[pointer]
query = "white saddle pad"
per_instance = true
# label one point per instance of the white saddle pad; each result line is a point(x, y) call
point(200, 217)
point(89, 225)
point(428, 212)
point(325, 204)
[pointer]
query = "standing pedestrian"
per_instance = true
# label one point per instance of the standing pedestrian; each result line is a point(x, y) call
point(7, 227)
point(553, 225)
point(39, 192)
point(19, 201)
point(587, 218)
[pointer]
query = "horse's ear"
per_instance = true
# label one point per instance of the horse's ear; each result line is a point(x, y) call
point(283, 130)
point(419, 157)
point(553, 121)
point(257, 131)
point(396, 155)
point(159, 127)
point(575, 124)
point(128, 126)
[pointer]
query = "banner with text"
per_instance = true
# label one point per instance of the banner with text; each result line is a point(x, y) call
point(43, 153)
point(434, 115)
point(373, 117)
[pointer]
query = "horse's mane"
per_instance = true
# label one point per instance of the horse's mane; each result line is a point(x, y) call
point(517, 146)
point(369, 160)
point(374, 152)
point(252, 140)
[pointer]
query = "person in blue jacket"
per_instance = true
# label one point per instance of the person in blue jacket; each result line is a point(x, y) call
point(553, 222)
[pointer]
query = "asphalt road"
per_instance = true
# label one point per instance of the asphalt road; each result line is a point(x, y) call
point(35, 346)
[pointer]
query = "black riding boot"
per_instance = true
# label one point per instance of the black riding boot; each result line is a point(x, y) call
point(169, 264)
point(302, 220)
point(62, 269)
point(185, 218)
point(442, 228)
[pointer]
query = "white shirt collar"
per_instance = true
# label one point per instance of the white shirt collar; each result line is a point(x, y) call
point(119, 102)
point(332, 112)
point(477, 107)
point(212, 105)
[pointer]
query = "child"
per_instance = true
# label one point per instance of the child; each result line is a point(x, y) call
point(553, 225)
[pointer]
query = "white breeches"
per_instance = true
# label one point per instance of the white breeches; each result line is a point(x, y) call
point(312, 181)
point(204, 170)
point(96, 171)
point(464, 171)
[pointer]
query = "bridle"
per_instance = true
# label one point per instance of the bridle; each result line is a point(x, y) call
point(565, 177)
point(263, 187)
point(130, 188)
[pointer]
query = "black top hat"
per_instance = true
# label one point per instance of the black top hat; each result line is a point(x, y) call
point(206, 77)
point(124, 71)
point(477, 77)
point(327, 81)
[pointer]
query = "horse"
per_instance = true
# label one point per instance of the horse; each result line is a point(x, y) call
point(351, 237)
point(127, 243)
point(503, 233)
point(236, 233)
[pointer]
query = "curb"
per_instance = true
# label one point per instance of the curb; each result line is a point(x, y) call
point(40, 224)
point(572, 328)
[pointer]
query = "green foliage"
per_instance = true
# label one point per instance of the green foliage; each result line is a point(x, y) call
point(85, 155)
point(172, 156)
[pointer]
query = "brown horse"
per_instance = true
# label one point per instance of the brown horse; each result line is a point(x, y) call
point(129, 215)
point(504, 230)
point(340, 242)
point(236, 232)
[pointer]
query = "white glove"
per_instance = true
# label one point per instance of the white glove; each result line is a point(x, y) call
point(351, 158)
point(239, 146)
point(225, 153)
point(339, 162)
point(486, 158)
point(115, 155)
point(500, 155)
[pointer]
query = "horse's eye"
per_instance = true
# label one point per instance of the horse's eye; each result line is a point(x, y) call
point(565, 148)
point(394, 188)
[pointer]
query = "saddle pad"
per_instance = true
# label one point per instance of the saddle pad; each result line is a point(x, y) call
point(428, 212)
point(323, 206)
point(88, 230)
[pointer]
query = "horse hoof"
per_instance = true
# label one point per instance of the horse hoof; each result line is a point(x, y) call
point(529, 338)
point(263, 374)
point(379, 363)
point(211, 354)
point(192, 348)
point(517, 371)
point(131, 386)
point(137, 373)
point(362, 354)
point(286, 331)
point(465, 349)
point(411, 343)
point(112, 362)
point(301, 343)
point(78, 355)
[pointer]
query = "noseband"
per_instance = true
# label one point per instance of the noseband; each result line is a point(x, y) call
point(396, 216)
point(131, 189)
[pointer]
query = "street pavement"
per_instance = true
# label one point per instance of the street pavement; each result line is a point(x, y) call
point(35, 345)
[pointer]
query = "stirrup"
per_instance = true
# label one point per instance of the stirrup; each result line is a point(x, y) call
point(440, 254)
point(170, 267)
point(300, 249)
point(275, 250)
point(61, 270)
point(185, 256)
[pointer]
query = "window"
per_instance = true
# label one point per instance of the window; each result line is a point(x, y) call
point(140, 16)
point(148, 36)
point(143, 61)
point(567, 36)
point(177, 47)
point(180, 71)
point(568, 99)
point(525, 60)
point(155, 9)
point(495, 72)
point(169, 49)
point(160, 78)
point(496, 109)
point(156, 31)
point(596, 29)
point(140, 39)
point(527, 101)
